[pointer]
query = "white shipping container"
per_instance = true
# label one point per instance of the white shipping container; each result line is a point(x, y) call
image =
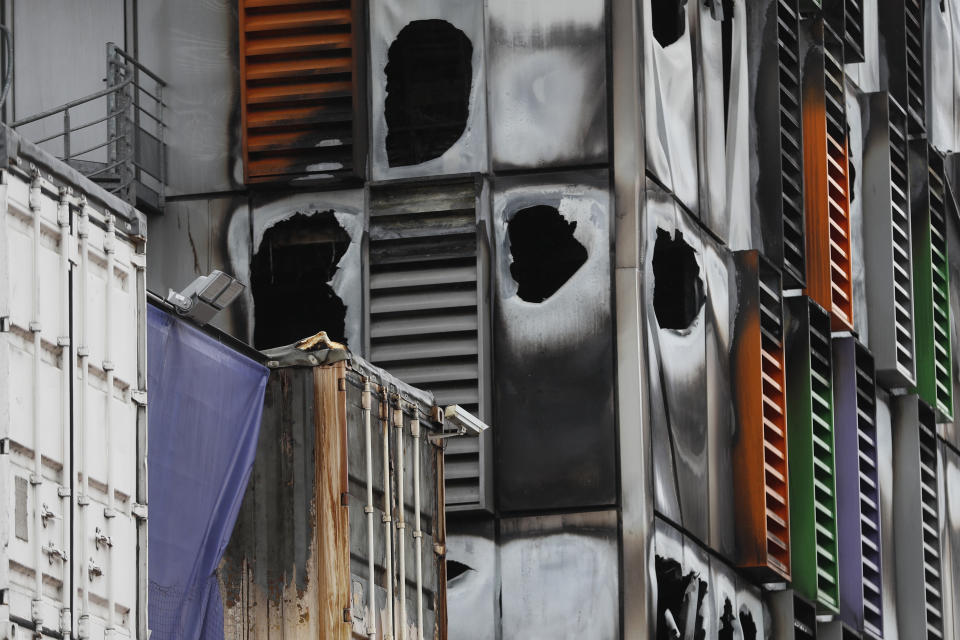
point(72, 405)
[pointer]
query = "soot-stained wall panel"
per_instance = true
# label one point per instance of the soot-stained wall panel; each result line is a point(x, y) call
point(560, 576)
point(344, 210)
point(473, 580)
point(676, 324)
point(193, 46)
point(553, 364)
point(855, 157)
point(671, 132)
point(547, 83)
point(940, 64)
point(428, 88)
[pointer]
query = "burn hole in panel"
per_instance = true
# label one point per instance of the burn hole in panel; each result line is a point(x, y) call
point(678, 289)
point(748, 626)
point(429, 75)
point(456, 569)
point(290, 281)
point(545, 253)
point(726, 622)
point(669, 20)
point(679, 596)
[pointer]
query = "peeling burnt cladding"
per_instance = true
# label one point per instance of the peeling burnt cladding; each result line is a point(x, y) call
point(545, 253)
point(776, 176)
point(290, 280)
point(429, 77)
point(553, 322)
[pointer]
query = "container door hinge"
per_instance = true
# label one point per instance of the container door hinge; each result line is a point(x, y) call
point(440, 550)
point(139, 260)
point(139, 511)
point(63, 341)
point(342, 384)
point(344, 499)
point(4, 446)
point(63, 492)
point(139, 396)
point(347, 616)
point(4, 324)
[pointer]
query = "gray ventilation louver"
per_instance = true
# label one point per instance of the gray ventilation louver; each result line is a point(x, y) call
point(427, 313)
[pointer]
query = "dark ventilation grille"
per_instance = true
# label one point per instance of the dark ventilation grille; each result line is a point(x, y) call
point(426, 311)
point(299, 90)
point(931, 523)
point(791, 136)
point(913, 16)
point(824, 484)
point(900, 226)
point(846, 17)
point(869, 492)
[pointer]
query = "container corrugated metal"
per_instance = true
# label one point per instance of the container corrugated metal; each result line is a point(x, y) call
point(72, 405)
point(346, 494)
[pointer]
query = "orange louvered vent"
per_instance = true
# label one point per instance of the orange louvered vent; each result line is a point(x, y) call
point(829, 273)
point(299, 90)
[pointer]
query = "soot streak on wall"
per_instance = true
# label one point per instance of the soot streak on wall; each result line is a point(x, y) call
point(553, 364)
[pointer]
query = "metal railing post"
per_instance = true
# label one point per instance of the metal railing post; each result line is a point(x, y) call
point(66, 134)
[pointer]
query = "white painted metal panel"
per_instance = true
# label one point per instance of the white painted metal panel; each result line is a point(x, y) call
point(71, 366)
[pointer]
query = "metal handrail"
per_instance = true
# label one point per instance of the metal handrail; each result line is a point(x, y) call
point(79, 127)
point(126, 56)
point(71, 105)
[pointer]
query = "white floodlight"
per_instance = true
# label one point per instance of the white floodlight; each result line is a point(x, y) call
point(206, 296)
point(466, 422)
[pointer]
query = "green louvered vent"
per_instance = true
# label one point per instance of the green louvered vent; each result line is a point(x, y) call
point(942, 380)
point(791, 153)
point(900, 224)
point(869, 492)
point(931, 523)
point(825, 509)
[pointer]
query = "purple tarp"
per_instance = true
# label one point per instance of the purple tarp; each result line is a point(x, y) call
point(205, 403)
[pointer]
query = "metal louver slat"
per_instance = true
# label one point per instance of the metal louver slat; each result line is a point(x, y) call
point(813, 516)
point(760, 455)
point(931, 525)
point(426, 310)
point(300, 97)
point(931, 285)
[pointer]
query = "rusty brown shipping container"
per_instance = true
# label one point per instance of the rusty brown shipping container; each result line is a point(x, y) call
point(345, 499)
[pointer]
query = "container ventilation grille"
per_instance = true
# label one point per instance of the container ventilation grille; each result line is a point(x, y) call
point(424, 314)
point(853, 31)
point(838, 196)
point(824, 483)
point(931, 523)
point(869, 492)
point(913, 17)
point(939, 268)
point(298, 89)
point(791, 137)
point(774, 424)
point(900, 228)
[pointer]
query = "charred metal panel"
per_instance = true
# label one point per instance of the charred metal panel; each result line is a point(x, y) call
point(473, 580)
point(553, 378)
point(301, 90)
point(671, 139)
point(776, 136)
point(949, 473)
point(855, 176)
point(916, 525)
point(886, 227)
point(560, 576)
point(858, 498)
point(719, 279)
point(249, 224)
point(676, 318)
point(428, 308)
point(901, 33)
point(547, 90)
point(759, 456)
point(194, 46)
point(942, 57)
point(387, 19)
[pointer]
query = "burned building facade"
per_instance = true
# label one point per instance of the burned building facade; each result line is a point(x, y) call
point(688, 258)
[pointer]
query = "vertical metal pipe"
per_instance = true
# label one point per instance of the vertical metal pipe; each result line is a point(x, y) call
point(387, 532)
point(368, 509)
point(401, 524)
point(417, 533)
point(109, 249)
point(66, 363)
point(83, 353)
point(36, 479)
point(66, 134)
